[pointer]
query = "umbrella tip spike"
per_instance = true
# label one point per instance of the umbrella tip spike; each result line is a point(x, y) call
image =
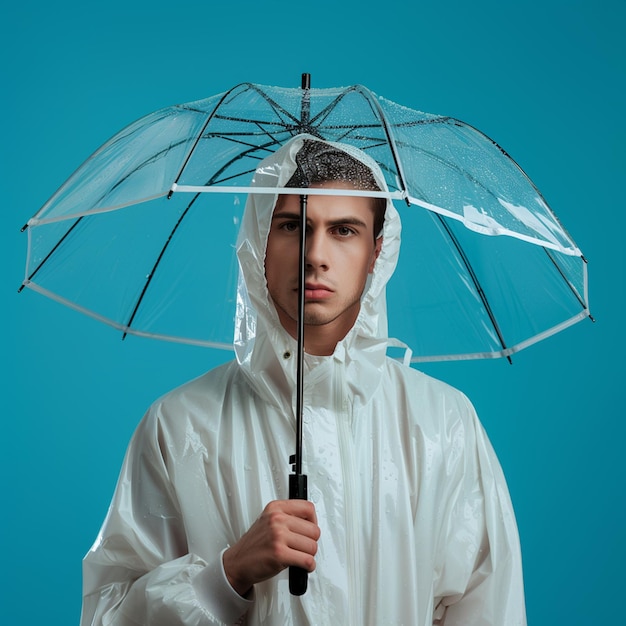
point(24, 227)
point(306, 81)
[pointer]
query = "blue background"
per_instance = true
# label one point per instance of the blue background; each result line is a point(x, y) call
point(544, 79)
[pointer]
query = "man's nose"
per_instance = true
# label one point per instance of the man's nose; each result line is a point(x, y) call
point(316, 251)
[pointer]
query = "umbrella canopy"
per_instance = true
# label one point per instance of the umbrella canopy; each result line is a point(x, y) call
point(142, 235)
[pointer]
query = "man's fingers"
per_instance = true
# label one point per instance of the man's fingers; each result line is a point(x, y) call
point(284, 535)
point(300, 558)
point(298, 508)
point(304, 528)
point(303, 549)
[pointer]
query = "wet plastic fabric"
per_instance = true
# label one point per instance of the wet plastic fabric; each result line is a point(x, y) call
point(416, 522)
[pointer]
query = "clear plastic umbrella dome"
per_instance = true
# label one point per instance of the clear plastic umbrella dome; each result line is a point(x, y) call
point(142, 235)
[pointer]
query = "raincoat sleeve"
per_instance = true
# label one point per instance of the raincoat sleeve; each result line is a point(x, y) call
point(140, 570)
point(481, 582)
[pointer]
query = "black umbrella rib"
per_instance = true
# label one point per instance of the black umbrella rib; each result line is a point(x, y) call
point(392, 145)
point(315, 124)
point(157, 262)
point(249, 120)
point(167, 243)
point(567, 282)
point(155, 157)
point(330, 107)
point(217, 181)
point(270, 133)
point(279, 111)
point(472, 274)
point(171, 236)
point(443, 119)
point(237, 137)
point(275, 106)
point(54, 249)
point(204, 127)
point(239, 156)
point(253, 147)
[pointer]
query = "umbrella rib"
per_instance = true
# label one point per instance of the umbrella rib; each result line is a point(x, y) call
point(156, 264)
point(204, 126)
point(274, 105)
point(216, 181)
point(435, 120)
point(278, 110)
point(331, 106)
point(229, 118)
point(315, 124)
point(141, 165)
point(239, 156)
point(54, 249)
point(567, 282)
point(366, 93)
point(472, 275)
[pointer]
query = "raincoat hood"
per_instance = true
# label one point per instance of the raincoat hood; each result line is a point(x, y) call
point(263, 348)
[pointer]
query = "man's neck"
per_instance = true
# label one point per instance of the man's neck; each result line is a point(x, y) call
point(319, 339)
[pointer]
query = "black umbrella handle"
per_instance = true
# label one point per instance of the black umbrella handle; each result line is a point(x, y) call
point(298, 577)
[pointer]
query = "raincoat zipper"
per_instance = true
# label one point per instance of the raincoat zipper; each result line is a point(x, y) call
point(352, 529)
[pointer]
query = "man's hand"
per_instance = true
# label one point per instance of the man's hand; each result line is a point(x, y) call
point(285, 534)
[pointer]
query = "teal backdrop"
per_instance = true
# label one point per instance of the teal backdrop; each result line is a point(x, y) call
point(545, 79)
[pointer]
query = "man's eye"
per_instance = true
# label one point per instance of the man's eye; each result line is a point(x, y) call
point(290, 227)
point(344, 231)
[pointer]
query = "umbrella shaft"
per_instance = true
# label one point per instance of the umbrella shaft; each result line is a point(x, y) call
point(305, 112)
point(300, 335)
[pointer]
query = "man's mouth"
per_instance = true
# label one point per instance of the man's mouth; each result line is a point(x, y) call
point(316, 291)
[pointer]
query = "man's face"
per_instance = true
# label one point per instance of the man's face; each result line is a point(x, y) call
point(340, 253)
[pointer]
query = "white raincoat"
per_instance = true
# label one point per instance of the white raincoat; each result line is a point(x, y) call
point(416, 522)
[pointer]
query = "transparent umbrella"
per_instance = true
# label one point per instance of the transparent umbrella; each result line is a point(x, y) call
point(142, 235)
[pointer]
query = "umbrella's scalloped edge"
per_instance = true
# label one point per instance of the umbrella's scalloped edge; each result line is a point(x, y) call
point(505, 353)
point(127, 330)
point(40, 221)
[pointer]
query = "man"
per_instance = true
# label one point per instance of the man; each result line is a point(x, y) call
point(409, 519)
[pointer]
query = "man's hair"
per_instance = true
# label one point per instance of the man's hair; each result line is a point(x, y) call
point(318, 163)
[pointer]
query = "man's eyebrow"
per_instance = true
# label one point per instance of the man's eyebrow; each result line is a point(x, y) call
point(290, 215)
point(350, 221)
point(340, 221)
